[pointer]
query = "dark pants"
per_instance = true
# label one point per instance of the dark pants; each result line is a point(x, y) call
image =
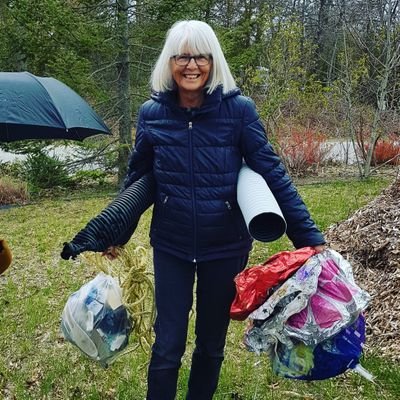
point(174, 280)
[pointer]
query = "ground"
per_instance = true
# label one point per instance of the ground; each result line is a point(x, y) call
point(370, 239)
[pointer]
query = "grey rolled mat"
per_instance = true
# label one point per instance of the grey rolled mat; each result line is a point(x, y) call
point(117, 222)
point(261, 211)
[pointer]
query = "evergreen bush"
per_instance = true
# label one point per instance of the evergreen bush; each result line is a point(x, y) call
point(44, 172)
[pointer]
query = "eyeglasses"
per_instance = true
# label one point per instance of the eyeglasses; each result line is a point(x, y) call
point(183, 59)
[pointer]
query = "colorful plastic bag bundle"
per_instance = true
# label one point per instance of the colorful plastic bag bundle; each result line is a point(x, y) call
point(95, 320)
point(285, 300)
point(311, 325)
point(315, 303)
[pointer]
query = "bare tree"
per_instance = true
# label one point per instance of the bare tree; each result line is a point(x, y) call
point(378, 41)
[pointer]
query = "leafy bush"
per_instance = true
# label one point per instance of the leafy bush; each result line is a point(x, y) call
point(12, 169)
point(302, 150)
point(44, 172)
point(89, 178)
point(13, 191)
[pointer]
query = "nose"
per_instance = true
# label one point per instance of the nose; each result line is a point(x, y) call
point(192, 61)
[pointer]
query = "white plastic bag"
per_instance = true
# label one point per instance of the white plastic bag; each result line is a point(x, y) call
point(95, 320)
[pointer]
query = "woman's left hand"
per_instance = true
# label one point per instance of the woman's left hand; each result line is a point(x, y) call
point(320, 248)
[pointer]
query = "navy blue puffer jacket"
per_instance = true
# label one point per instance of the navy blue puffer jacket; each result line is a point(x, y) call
point(196, 155)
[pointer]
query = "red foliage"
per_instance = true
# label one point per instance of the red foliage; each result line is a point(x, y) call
point(387, 151)
point(302, 150)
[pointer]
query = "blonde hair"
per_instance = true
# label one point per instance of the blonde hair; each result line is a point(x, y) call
point(195, 37)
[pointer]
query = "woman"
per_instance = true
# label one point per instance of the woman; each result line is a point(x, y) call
point(193, 134)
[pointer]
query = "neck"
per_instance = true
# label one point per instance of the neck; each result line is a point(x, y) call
point(191, 99)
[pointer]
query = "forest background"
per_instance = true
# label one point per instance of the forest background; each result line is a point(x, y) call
point(316, 69)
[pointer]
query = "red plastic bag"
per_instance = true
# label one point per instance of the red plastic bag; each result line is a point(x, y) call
point(253, 284)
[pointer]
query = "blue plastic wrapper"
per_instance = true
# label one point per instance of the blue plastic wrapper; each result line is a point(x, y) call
point(329, 358)
point(95, 320)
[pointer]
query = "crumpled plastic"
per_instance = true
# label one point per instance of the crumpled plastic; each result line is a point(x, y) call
point(314, 304)
point(329, 358)
point(337, 302)
point(311, 326)
point(253, 285)
point(95, 320)
point(286, 300)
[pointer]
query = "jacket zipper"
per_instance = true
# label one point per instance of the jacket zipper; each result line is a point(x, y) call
point(190, 126)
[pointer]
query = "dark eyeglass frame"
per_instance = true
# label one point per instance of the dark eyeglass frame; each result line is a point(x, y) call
point(189, 58)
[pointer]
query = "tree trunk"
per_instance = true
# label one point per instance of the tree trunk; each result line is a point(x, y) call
point(389, 63)
point(348, 101)
point(380, 109)
point(123, 68)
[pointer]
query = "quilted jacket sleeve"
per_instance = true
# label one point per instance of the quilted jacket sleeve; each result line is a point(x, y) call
point(141, 157)
point(260, 156)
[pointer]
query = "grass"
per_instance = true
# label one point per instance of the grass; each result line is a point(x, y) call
point(13, 191)
point(36, 363)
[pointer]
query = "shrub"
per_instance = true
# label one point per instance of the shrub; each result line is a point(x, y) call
point(13, 191)
point(12, 169)
point(387, 151)
point(89, 178)
point(302, 150)
point(44, 172)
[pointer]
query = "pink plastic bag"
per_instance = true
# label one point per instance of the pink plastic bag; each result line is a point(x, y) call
point(336, 303)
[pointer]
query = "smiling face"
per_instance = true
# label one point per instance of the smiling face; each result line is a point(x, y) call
point(190, 80)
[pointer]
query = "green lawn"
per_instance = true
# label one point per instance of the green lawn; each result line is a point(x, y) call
point(36, 363)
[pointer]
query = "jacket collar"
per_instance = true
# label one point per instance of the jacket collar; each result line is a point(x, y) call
point(211, 100)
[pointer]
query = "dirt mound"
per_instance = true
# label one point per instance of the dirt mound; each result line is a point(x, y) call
point(370, 239)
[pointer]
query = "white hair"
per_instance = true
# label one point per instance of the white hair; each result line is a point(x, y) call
point(193, 37)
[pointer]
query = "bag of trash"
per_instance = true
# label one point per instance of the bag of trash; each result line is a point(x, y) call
point(319, 300)
point(95, 320)
point(329, 358)
point(311, 326)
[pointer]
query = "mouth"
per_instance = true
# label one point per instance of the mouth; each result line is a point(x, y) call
point(191, 76)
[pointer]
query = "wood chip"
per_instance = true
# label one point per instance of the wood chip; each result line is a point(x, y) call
point(370, 240)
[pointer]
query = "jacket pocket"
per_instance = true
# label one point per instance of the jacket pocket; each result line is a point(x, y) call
point(164, 199)
point(235, 222)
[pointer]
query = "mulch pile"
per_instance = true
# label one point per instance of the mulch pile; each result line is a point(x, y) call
point(370, 240)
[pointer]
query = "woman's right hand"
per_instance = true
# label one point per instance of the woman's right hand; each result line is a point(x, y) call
point(111, 253)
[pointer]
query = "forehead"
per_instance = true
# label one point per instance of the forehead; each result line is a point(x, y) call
point(192, 46)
